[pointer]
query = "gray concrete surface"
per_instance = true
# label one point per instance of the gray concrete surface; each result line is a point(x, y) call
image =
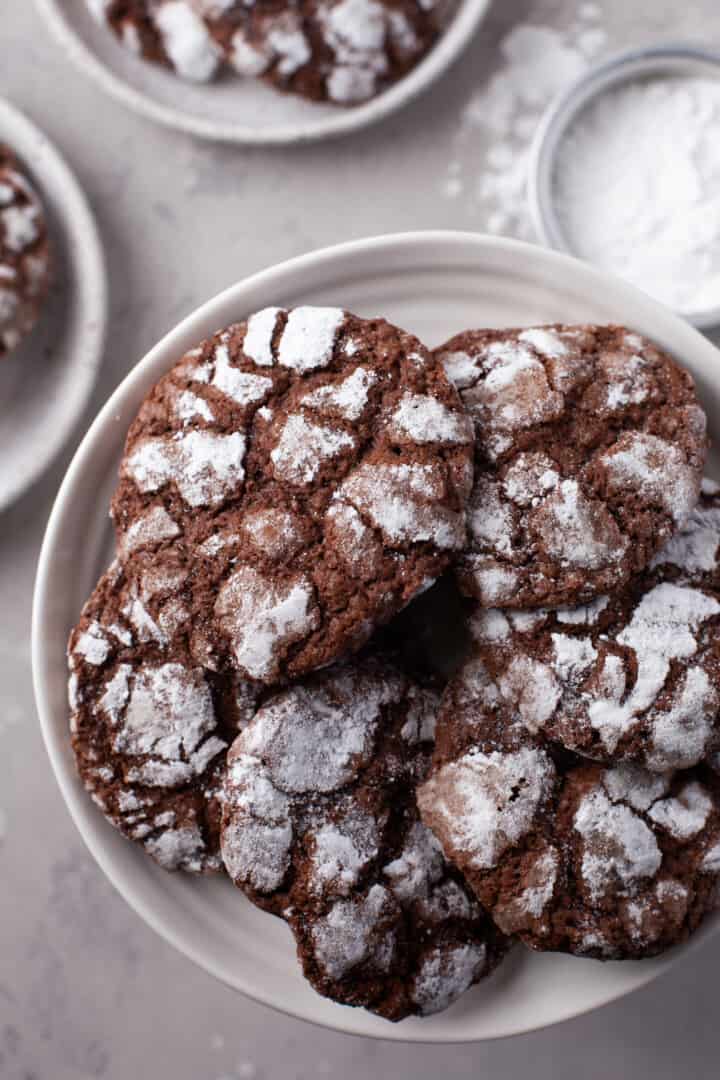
point(86, 989)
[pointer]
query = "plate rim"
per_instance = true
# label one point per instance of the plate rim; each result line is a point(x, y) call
point(450, 45)
point(85, 251)
point(473, 245)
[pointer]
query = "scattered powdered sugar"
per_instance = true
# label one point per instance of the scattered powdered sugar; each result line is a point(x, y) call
point(348, 534)
point(348, 397)
point(263, 616)
point(536, 64)
point(303, 447)
point(424, 419)
point(206, 467)
point(482, 804)
point(491, 520)
point(287, 43)
point(405, 503)
point(308, 339)
point(357, 931)
point(619, 850)
point(655, 469)
point(445, 973)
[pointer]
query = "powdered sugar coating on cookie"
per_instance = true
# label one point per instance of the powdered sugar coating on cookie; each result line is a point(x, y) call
point(632, 676)
point(149, 729)
point(320, 826)
point(168, 32)
point(24, 253)
point(285, 460)
point(342, 51)
point(608, 862)
point(589, 453)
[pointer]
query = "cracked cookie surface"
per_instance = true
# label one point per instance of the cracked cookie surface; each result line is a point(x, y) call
point(632, 676)
point(24, 253)
point(171, 33)
point(590, 450)
point(342, 51)
point(602, 861)
point(306, 472)
point(150, 729)
point(320, 826)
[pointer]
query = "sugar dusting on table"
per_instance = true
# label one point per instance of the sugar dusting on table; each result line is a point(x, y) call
point(537, 63)
point(637, 187)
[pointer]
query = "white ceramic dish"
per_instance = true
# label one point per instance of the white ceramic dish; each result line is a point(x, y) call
point(45, 383)
point(239, 110)
point(433, 284)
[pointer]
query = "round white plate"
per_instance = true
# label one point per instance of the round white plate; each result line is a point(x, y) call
point(433, 284)
point(233, 109)
point(45, 383)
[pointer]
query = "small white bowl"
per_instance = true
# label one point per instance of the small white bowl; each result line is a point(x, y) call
point(239, 110)
point(46, 382)
point(675, 59)
point(434, 284)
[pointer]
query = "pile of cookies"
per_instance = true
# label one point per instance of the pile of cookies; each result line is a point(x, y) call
point(24, 253)
point(341, 51)
point(247, 698)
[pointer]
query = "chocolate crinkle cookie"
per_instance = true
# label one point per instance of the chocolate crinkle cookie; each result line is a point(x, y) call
point(341, 51)
point(306, 473)
point(590, 450)
point(150, 728)
point(24, 253)
point(320, 826)
point(601, 861)
point(172, 33)
point(631, 676)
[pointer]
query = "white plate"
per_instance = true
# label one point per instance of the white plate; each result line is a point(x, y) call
point(233, 109)
point(434, 284)
point(45, 383)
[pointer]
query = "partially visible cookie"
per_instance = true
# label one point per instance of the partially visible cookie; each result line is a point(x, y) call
point(166, 32)
point(590, 450)
point(607, 862)
point(149, 729)
point(320, 826)
point(632, 676)
point(24, 253)
point(342, 51)
point(307, 471)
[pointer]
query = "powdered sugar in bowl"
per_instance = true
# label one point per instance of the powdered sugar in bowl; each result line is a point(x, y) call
point(625, 173)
